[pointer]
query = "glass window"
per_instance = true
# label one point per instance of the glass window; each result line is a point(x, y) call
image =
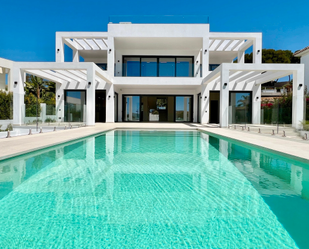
point(213, 66)
point(167, 67)
point(240, 108)
point(75, 106)
point(131, 66)
point(149, 67)
point(103, 66)
point(183, 109)
point(184, 67)
point(132, 108)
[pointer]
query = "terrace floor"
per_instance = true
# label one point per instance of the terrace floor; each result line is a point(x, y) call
point(14, 146)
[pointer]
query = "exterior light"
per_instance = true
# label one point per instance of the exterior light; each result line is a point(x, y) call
point(109, 96)
point(205, 97)
point(58, 50)
point(196, 62)
point(300, 85)
point(58, 96)
point(15, 82)
point(89, 83)
point(225, 84)
point(258, 51)
point(205, 51)
point(257, 98)
point(110, 50)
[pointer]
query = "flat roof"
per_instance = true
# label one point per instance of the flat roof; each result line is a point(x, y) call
point(159, 19)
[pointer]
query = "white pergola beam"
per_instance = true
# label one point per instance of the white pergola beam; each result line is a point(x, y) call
point(245, 45)
point(91, 48)
point(273, 76)
point(73, 44)
point(218, 45)
point(104, 41)
point(211, 42)
point(227, 45)
point(57, 75)
point(45, 76)
point(248, 76)
point(78, 74)
point(70, 75)
point(97, 44)
point(236, 45)
point(236, 76)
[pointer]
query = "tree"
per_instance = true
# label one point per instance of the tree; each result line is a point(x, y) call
point(275, 56)
point(38, 86)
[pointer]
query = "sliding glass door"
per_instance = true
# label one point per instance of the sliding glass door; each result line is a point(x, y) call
point(131, 108)
point(184, 109)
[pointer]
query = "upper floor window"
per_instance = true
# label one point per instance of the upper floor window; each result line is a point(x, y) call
point(103, 66)
point(157, 66)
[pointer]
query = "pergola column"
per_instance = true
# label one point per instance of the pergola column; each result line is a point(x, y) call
point(256, 104)
point(204, 107)
point(205, 56)
point(59, 48)
point(224, 98)
point(110, 103)
point(110, 56)
point(257, 50)
point(298, 98)
point(90, 100)
point(18, 76)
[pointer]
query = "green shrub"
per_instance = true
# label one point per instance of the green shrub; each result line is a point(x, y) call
point(50, 120)
point(6, 105)
point(9, 127)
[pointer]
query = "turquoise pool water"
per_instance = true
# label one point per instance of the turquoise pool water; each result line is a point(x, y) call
point(150, 189)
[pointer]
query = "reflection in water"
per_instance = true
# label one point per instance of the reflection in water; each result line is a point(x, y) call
point(155, 189)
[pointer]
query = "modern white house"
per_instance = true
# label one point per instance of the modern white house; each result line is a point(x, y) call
point(143, 71)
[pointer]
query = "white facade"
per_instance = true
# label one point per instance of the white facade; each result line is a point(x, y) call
point(157, 41)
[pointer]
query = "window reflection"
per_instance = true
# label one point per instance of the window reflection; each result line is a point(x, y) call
point(183, 109)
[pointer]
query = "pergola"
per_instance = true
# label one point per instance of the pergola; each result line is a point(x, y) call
point(69, 75)
point(229, 75)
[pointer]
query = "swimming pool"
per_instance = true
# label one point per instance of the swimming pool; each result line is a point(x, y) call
point(154, 189)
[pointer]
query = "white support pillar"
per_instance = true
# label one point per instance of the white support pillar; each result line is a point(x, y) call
point(18, 76)
point(110, 103)
point(196, 65)
point(110, 56)
point(204, 107)
point(59, 48)
point(257, 50)
point(256, 104)
point(120, 99)
point(75, 55)
point(241, 57)
point(90, 105)
point(59, 102)
point(298, 98)
point(224, 98)
point(205, 56)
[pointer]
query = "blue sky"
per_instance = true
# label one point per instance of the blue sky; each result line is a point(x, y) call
point(27, 29)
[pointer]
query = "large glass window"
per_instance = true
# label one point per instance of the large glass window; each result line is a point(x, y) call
point(75, 106)
point(132, 108)
point(167, 67)
point(183, 109)
point(149, 67)
point(156, 66)
point(132, 66)
point(184, 67)
point(240, 108)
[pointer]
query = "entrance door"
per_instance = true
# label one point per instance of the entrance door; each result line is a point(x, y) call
point(100, 106)
point(214, 112)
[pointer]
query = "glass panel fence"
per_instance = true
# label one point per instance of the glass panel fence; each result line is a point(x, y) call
point(149, 67)
point(183, 109)
point(240, 108)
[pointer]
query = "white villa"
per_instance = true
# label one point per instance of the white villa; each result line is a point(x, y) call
point(143, 71)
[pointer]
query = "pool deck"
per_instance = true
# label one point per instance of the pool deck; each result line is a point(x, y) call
point(14, 146)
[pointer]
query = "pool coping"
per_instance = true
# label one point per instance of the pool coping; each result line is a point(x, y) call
point(25, 144)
